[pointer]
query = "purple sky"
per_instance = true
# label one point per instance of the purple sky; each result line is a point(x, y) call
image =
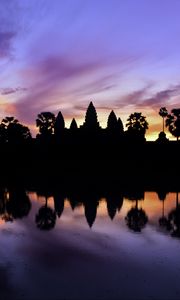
point(61, 54)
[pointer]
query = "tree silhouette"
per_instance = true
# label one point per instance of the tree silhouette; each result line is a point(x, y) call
point(46, 217)
point(173, 122)
point(9, 120)
point(91, 121)
point(59, 125)
point(163, 113)
point(12, 131)
point(45, 121)
point(137, 124)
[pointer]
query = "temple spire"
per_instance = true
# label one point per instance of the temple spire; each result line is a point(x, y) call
point(59, 124)
point(91, 121)
point(73, 125)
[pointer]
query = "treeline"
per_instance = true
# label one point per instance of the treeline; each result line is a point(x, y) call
point(52, 128)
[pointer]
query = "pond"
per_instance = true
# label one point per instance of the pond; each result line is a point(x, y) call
point(115, 247)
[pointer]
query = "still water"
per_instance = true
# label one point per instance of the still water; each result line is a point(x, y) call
point(53, 247)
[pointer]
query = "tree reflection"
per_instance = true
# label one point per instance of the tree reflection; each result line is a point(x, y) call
point(174, 219)
point(46, 217)
point(136, 218)
point(18, 204)
point(163, 221)
point(6, 216)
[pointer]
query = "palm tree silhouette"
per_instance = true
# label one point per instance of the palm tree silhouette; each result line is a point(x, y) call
point(137, 124)
point(173, 122)
point(46, 217)
point(45, 121)
point(163, 113)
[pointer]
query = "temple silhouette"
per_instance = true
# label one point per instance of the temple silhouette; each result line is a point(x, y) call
point(89, 154)
point(52, 128)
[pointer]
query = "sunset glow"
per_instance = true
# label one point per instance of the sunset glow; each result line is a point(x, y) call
point(60, 55)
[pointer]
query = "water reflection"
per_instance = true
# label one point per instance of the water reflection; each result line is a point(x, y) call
point(136, 218)
point(45, 218)
point(174, 219)
point(114, 204)
point(14, 204)
point(163, 221)
point(134, 209)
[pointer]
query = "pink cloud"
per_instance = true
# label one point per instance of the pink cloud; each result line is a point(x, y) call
point(57, 81)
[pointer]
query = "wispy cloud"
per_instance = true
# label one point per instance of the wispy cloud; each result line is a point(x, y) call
point(144, 98)
point(162, 98)
point(9, 90)
point(63, 81)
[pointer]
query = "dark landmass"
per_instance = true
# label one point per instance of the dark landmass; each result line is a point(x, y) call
point(150, 165)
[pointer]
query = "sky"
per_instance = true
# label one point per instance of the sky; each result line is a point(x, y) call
point(59, 55)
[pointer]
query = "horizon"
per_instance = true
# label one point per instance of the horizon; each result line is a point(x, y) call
point(149, 137)
point(122, 55)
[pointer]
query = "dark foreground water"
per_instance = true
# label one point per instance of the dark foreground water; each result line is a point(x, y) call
point(94, 251)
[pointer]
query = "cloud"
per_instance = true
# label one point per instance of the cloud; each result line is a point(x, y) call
point(143, 98)
point(60, 82)
point(7, 91)
point(162, 98)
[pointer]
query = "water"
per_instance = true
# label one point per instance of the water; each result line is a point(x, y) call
point(91, 252)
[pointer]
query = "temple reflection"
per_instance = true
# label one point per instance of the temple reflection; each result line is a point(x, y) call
point(132, 207)
point(58, 204)
point(114, 204)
